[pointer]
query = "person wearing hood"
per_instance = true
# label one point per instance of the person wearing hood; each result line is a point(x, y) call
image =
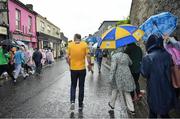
point(121, 81)
point(19, 61)
point(135, 53)
point(37, 57)
point(156, 68)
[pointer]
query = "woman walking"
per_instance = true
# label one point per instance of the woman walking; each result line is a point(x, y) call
point(156, 68)
point(121, 81)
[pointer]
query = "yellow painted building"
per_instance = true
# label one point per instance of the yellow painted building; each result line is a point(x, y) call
point(48, 35)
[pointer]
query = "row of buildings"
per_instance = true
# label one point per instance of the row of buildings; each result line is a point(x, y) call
point(21, 23)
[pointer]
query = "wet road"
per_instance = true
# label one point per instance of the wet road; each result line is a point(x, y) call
point(48, 95)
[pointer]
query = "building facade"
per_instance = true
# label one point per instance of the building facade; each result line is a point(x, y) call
point(22, 23)
point(48, 35)
point(3, 20)
point(105, 26)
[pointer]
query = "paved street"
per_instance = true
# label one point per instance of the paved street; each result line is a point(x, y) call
point(48, 96)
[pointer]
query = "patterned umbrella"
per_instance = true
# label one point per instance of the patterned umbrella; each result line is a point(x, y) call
point(160, 24)
point(120, 36)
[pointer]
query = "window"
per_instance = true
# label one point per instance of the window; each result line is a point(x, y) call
point(18, 19)
point(42, 26)
point(54, 31)
point(30, 24)
point(49, 29)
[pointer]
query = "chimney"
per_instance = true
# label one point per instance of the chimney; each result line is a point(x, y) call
point(29, 6)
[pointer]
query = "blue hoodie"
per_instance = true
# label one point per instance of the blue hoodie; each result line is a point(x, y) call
point(19, 57)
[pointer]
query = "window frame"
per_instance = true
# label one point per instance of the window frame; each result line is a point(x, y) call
point(18, 20)
point(42, 25)
point(30, 25)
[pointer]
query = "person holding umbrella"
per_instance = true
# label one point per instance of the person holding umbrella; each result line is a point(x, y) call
point(156, 68)
point(121, 80)
point(135, 54)
point(4, 60)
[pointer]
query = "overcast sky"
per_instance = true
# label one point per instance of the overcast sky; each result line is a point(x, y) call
point(81, 16)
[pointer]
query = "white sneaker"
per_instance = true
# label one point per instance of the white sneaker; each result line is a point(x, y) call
point(72, 107)
point(14, 81)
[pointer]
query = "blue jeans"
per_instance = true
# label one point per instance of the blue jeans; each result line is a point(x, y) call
point(75, 76)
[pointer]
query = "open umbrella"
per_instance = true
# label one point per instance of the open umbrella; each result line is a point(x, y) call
point(120, 36)
point(22, 44)
point(91, 39)
point(160, 24)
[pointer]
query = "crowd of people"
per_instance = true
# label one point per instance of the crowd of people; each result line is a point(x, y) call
point(16, 60)
point(127, 64)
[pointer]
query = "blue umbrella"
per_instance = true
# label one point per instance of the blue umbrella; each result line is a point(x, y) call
point(160, 24)
point(91, 39)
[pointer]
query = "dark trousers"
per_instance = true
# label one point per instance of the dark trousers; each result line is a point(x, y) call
point(75, 76)
point(6, 68)
point(155, 115)
point(99, 60)
point(136, 80)
point(27, 67)
point(38, 67)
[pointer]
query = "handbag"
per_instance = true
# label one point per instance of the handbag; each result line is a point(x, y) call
point(175, 75)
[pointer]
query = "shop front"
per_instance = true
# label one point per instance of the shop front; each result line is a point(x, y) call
point(3, 33)
point(49, 42)
point(30, 41)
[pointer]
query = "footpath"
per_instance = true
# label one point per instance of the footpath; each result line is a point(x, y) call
point(141, 106)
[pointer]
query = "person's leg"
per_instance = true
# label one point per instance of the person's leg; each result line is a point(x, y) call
point(9, 71)
point(1, 69)
point(82, 76)
point(129, 101)
point(136, 78)
point(74, 78)
point(17, 70)
point(135, 93)
point(22, 71)
point(113, 98)
point(165, 116)
point(152, 114)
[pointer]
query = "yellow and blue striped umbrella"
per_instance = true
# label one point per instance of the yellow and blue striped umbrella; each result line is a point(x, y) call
point(120, 36)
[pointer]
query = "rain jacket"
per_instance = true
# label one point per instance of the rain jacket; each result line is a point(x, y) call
point(156, 68)
point(19, 57)
point(4, 57)
point(135, 54)
point(173, 48)
point(120, 74)
point(37, 56)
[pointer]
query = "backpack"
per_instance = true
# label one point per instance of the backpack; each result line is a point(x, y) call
point(175, 70)
point(175, 53)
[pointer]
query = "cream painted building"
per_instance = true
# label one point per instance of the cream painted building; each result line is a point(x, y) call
point(48, 35)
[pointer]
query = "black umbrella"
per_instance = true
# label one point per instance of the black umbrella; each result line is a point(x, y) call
point(8, 44)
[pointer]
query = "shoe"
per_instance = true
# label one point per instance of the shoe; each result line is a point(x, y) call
point(135, 98)
point(72, 107)
point(25, 77)
point(141, 94)
point(14, 81)
point(111, 114)
point(131, 112)
point(110, 106)
point(81, 108)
